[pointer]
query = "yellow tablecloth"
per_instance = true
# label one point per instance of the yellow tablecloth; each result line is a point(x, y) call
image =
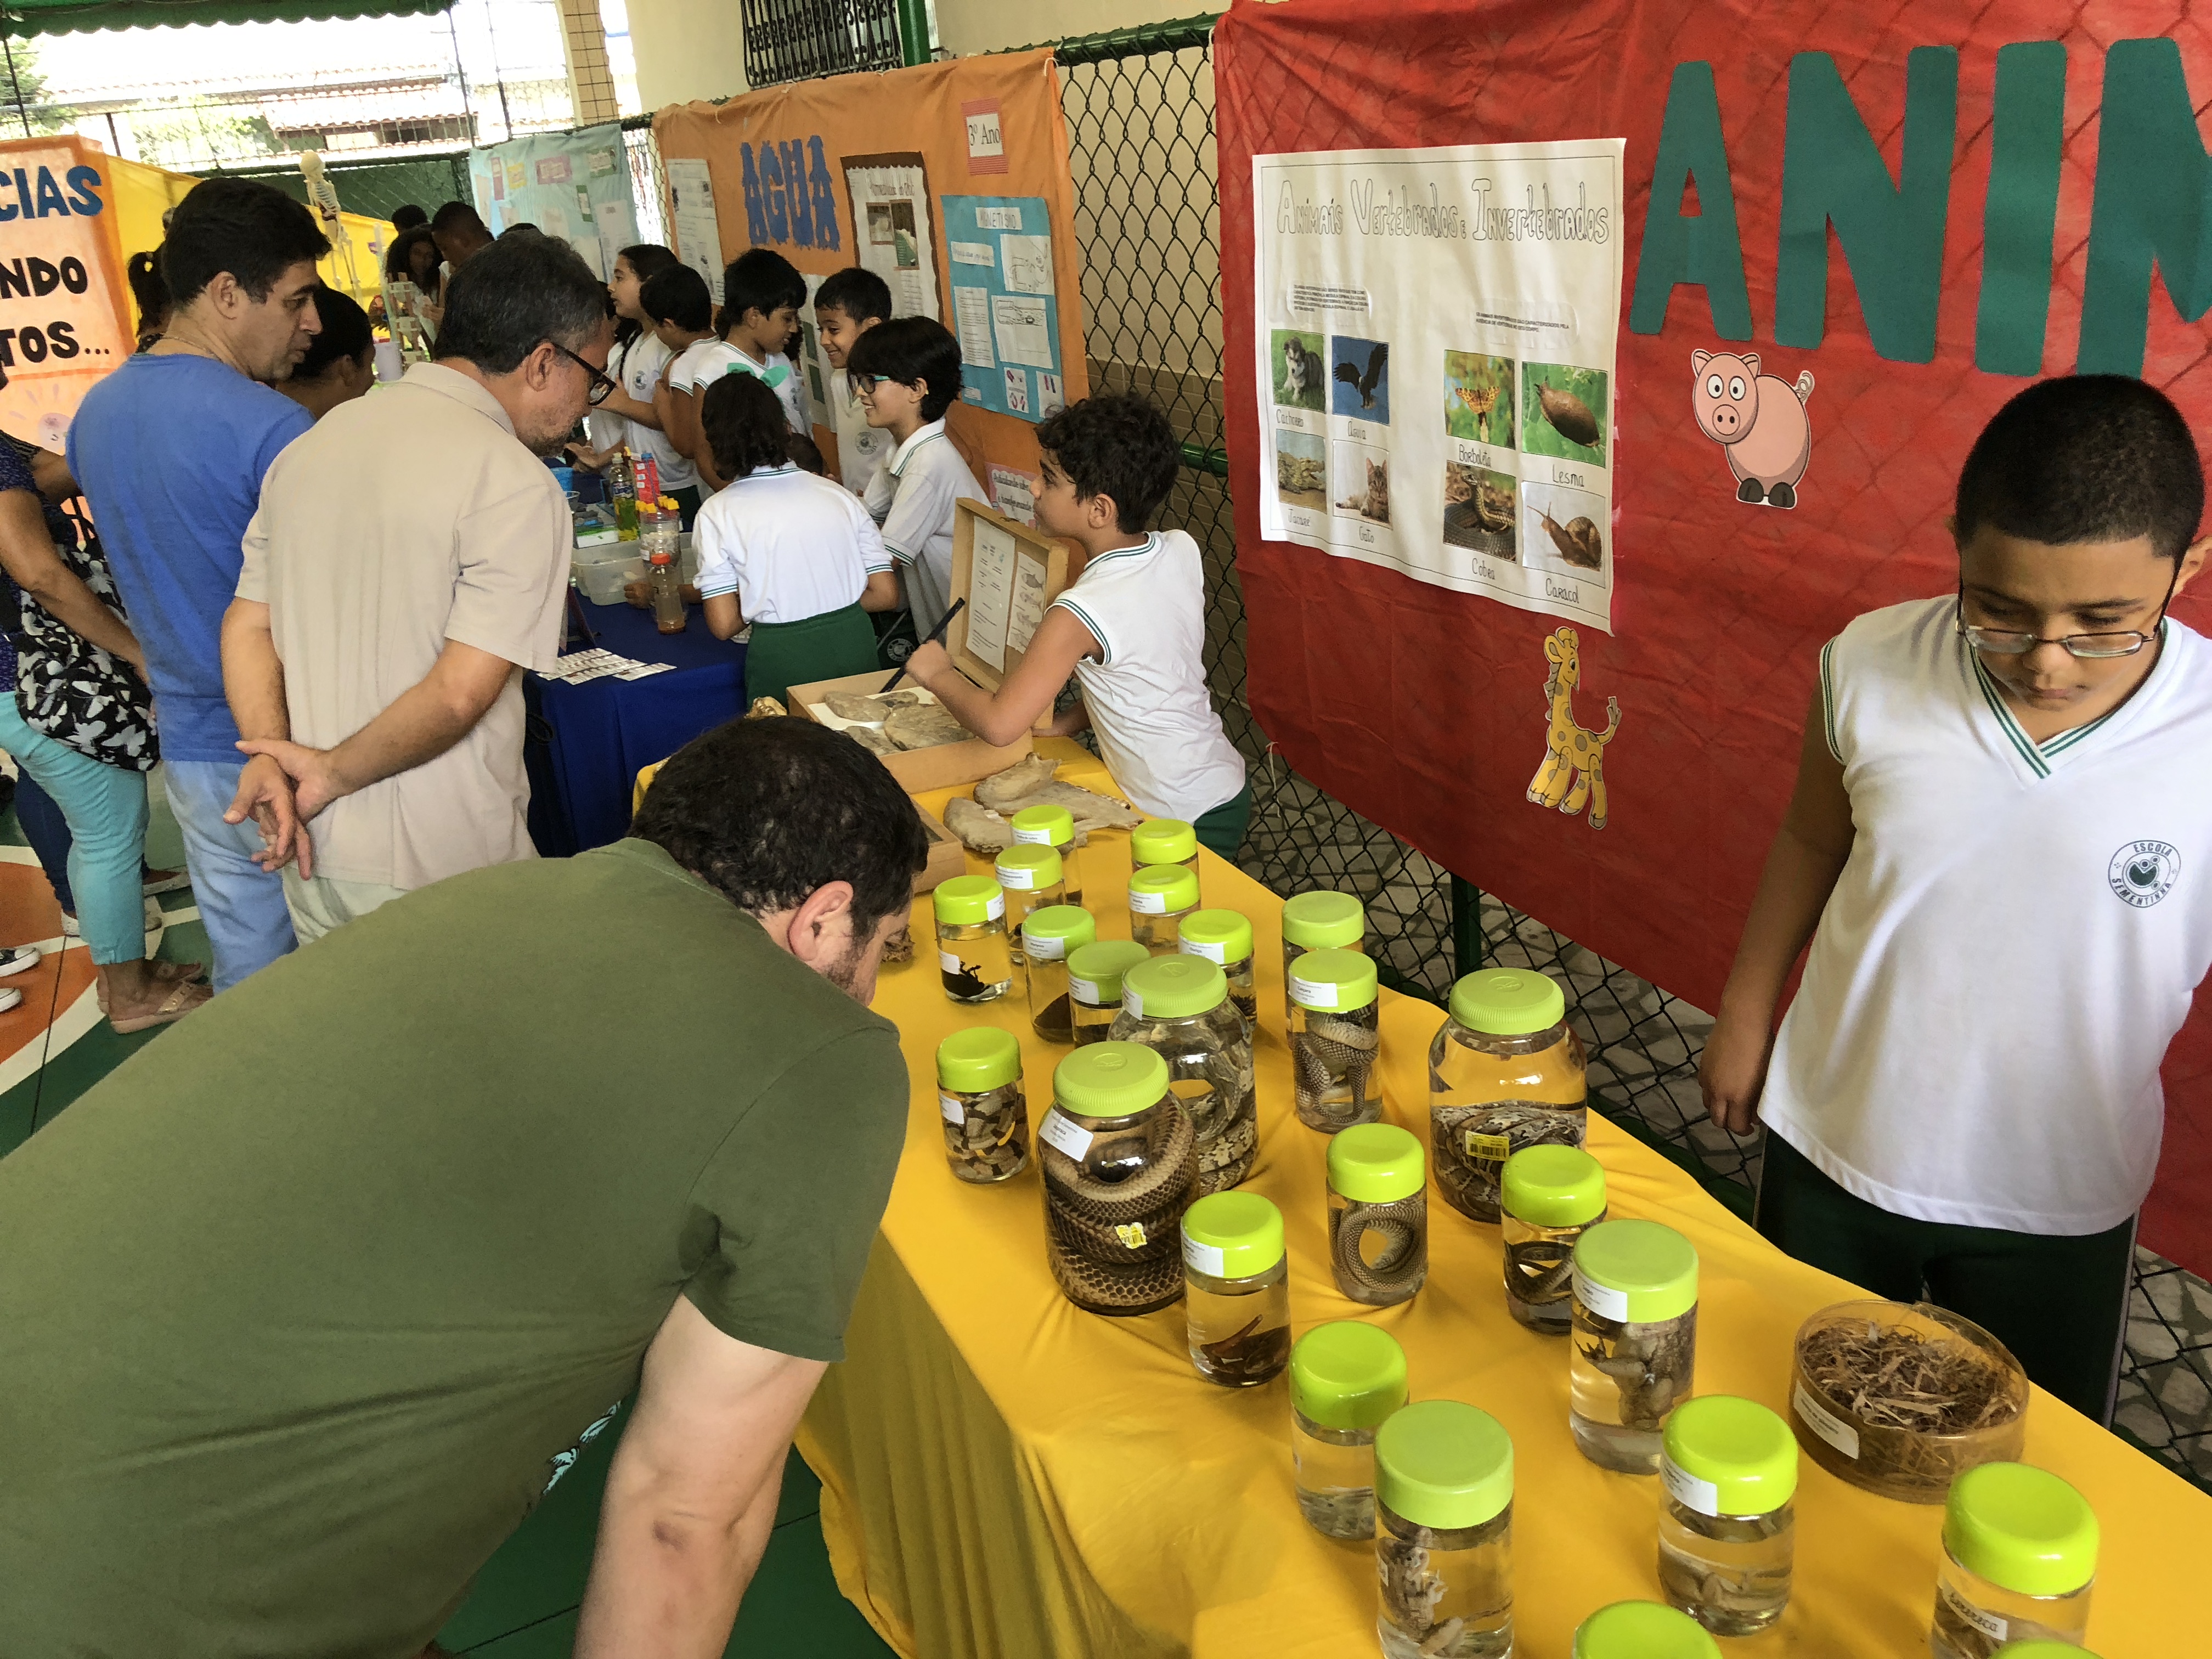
point(1004, 1475)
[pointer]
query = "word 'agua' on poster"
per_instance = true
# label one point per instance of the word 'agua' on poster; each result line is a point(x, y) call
point(1435, 363)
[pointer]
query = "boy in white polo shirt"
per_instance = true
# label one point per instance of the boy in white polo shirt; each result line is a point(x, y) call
point(1131, 628)
point(2003, 829)
point(847, 305)
point(762, 292)
point(907, 372)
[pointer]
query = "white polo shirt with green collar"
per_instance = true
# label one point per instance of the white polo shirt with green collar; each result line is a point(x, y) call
point(2015, 937)
point(913, 498)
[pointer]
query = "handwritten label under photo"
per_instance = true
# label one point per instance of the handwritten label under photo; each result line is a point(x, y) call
point(1023, 330)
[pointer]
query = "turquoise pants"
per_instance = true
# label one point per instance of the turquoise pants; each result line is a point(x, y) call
point(106, 808)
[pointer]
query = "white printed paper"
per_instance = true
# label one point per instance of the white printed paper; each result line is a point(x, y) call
point(1051, 395)
point(1063, 1135)
point(1148, 903)
point(1435, 363)
point(1013, 493)
point(1824, 1423)
point(999, 218)
point(971, 315)
point(1203, 1258)
point(1601, 1299)
point(1043, 949)
point(990, 594)
point(692, 223)
point(1315, 994)
point(1211, 950)
point(894, 236)
point(1021, 329)
point(1018, 390)
point(1688, 1490)
point(1989, 1624)
point(972, 253)
point(1026, 615)
point(1028, 263)
point(951, 1108)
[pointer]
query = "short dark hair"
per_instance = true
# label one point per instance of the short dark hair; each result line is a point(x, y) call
point(856, 291)
point(805, 454)
point(678, 296)
point(457, 215)
point(744, 423)
point(2086, 458)
point(1117, 444)
point(407, 216)
point(398, 258)
point(515, 294)
point(647, 259)
point(766, 811)
point(911, 349)
point(345, 333)
point(759, 279)
point(254, 231)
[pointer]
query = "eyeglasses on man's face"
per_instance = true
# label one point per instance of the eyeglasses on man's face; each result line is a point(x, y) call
point(601, 383)
point(2094, 647)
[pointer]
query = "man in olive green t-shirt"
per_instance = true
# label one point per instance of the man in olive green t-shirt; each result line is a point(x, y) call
point(301, 1304)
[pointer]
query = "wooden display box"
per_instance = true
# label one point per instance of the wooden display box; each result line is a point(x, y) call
point(947, 857)
point(916, 770)
point(1009, 573)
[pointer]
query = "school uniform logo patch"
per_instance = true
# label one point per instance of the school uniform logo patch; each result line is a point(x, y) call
point(2143, 872)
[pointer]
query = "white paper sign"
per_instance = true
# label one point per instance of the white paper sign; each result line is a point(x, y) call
point(1021, 329)
point(1064, 1135)
point(894, 236)
point(971, 314)
point(949, 1107)
point(972, 253)
point(990, 594)
point(1688, 1490)
point(698, 234)
point(1601, 1299)
point(1029, 263)
point(1824, 1423)
point(1023, 621)
point(998, 218)
point(1013, 492)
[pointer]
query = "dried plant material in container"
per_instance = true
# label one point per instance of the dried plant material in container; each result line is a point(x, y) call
point(1902, 1400)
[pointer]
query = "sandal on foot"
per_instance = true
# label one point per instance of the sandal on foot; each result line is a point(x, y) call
point(165, 972)
point(179, 1003)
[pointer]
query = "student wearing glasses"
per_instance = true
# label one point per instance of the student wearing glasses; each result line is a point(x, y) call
point(409, 560)
point(2000, 848)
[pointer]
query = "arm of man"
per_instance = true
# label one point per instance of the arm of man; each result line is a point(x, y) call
point(1808, 856)
point(1027, 695)
point(27, 553)
point(253, 685)
point(691, 1495)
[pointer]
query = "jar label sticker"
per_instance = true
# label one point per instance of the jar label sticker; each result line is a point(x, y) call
point(1601, 1299)
point(1063, 1135)
point(952, 1109)
point(1824, 1423)
point(1203, 1258)
point(1688, 1490)
point(996, 909)
point(1314, 993)
point(1495, 1148)
point(1989, 1624)
point(950, 961)
point(1212, 951)
point(1132, 1234)
point(1133, 1001)
point(1082, 990)
point(1044, 950)
point(1033, 837)
point(1148, 905)
point(1021, 880)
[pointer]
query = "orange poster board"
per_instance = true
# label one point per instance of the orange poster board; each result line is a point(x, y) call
point(785, 164)
point(65, 311)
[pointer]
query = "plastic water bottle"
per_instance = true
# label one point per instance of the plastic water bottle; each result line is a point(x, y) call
point(621, 487)
point(667, 593)
point(660, 524)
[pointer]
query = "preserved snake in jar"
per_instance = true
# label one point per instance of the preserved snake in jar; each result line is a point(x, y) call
point(1236, 1297)
point(1030, 877)
point(1224, 938)
point(1319, 921)
point(1094, 985)
point(1727, 1536)
point(979, 1083)
point(1378, 1214)
point(1548, 1196)
point(1346, 1378)
point(1164, 841)
point(1160, 897)
point(972, 955)
point(1121, 1166)
point(1053, 827)
point(1049, 936)
point(2020, 1557)
point(1179, 1007)
point(1505, 1072)
point(1335, 1039)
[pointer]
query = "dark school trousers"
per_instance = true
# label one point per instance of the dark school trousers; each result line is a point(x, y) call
point(1221, 831)
point(2059, 1304)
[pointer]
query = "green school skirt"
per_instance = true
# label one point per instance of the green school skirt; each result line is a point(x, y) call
point(781, 655)
point(1221, 831)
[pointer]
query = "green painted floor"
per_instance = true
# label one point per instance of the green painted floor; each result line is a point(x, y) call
point(525, 1601)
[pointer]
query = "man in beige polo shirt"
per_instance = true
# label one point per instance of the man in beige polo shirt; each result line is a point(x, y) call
point(410, 557)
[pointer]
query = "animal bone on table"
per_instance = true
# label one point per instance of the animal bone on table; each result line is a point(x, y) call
point(1030, 782)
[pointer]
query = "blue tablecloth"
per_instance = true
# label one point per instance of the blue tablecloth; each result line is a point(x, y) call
point(603, 732)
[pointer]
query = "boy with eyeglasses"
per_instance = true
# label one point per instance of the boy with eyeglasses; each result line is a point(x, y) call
point(2003, 829)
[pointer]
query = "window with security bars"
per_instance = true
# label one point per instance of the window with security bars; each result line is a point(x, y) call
point(797, 39)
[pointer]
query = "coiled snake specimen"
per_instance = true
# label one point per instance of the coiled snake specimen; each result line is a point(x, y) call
point(1397, 1273)
point(1468, 1178)
point(1331, 1056)
point(1115, 1247)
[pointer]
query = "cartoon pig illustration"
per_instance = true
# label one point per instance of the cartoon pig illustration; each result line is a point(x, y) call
point(1760, 420)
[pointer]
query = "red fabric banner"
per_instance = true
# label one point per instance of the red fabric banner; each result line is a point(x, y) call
point(1427, 710)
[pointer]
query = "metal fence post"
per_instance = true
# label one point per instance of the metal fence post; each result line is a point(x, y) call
point(913, 31)
point(1466, 926)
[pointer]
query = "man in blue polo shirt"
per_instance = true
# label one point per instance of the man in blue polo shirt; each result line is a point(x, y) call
point(171, 449)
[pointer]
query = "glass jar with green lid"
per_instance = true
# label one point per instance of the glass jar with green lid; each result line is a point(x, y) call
point(1094, 985)
point(1032, 879)
point(1237, 1289)
point(2041, 1650)
point(979, 1094)
point(1319, 921)
point(1634, 1341)
point(1547, 1197)
point(1378, 1214)
point(1505, 1071)
point(2020, 1555)
point(1346, 1378)
point(1178, 1006)
point(1336, 1040)
point(972, 954)
point(1727, 1534)
point(1053, 827)
point(1643, 1630)
point(1443, 1532)
point(1224, 938)
point(1051, 935)
point(1120, 1163)
point(1160, 897)
point(1164, 841)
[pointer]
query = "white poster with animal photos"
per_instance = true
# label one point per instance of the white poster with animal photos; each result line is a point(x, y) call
point(1436, 332)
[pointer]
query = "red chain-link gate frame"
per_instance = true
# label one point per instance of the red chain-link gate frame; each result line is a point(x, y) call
point(1423, 709)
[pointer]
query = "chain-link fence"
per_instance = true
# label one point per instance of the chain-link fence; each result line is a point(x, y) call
point(1139, 110)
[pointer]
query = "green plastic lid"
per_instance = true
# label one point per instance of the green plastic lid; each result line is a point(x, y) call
point(1637, 1271)
point(1553, 1187)
point(1345, 1375)
point(1110, 1079)
point(980, 1058)
point(1162, 890)
point(1332, 981)
point(1507, 1002)
point(1221, 936)
point(1044, 826)
point(2022, 1528)
point(1055, 932)
point(1232, 1235)
point(1027, 868)
point(1375, 1164)
point(967, 899)
point(1323, 921)
point(1728, 1457)
point(1163, 841)
point(1443, 1464)
point(1173, 987)
point(1094, 971)
point(1643, 1630)
point(2039, 1648)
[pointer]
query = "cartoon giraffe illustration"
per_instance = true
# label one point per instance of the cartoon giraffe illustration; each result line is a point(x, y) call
point(1575, 755)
